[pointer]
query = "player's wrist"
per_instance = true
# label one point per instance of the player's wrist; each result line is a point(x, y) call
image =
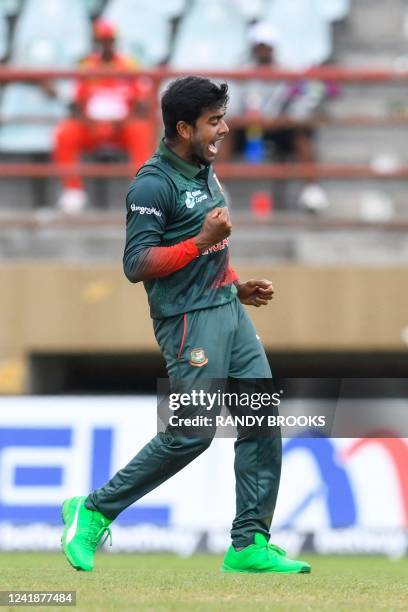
point(202, 243)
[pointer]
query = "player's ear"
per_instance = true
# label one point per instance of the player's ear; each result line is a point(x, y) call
point(184, 130)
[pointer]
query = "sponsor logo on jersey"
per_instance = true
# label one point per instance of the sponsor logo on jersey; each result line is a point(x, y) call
point(220, 246)
point(198, 357)
point(146, 210)
point(195, 197)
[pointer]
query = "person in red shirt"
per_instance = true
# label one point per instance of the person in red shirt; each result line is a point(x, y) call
point(109, 113)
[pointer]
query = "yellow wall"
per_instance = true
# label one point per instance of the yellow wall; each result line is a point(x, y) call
point(54, 307)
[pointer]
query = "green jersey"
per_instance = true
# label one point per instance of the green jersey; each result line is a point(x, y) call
point(166, 205)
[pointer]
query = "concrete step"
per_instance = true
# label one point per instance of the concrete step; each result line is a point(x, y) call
point(361, 145)
point(373, 24)
point(293, 242)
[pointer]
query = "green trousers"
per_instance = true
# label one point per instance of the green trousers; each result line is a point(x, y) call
point(215, 343)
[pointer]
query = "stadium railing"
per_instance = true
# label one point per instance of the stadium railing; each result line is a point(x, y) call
point(227, 170)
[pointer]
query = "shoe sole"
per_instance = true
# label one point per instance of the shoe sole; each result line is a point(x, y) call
point(66, 553)
point(229, 570)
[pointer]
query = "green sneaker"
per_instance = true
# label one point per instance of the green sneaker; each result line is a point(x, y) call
point(262, 557)
point(83, 532)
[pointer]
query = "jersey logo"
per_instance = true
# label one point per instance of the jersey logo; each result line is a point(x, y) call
point(198, 358)
point(195, 197)
point(220, 246)
point(145, 210)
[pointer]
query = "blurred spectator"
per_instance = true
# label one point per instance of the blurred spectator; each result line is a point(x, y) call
point(109, 114)
point(291, 105)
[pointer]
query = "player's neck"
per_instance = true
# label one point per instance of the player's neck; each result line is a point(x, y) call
point(180, 150)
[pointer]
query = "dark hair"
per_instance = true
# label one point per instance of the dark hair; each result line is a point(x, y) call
point(186, 98)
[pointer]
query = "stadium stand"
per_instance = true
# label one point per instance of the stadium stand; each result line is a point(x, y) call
point(202, 44)
point(3, 34)
point(363, 126)
point(251, 10)
point(69, 38)
point(135, 21)
point(19, 104)
point(11, 8)
point(42, 39)
point(304, 33)
point(333, 10)
point(171, 9)
point(93, 7)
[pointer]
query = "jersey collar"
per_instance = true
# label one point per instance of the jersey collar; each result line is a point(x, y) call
point(188, 170)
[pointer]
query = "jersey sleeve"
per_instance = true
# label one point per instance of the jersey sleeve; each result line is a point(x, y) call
point(149, 204)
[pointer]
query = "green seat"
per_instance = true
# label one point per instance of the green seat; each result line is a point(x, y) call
point(304, 34)
point(136, 22)
point(204, 41)
point(11, 8)
point(63, 22)
point(333, 10)
point(19, 103)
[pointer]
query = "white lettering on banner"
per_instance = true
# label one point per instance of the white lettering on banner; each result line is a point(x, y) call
point(57, 447)
point(361, 541)
point(141, 538)
point(149, 538)
point(146, 210)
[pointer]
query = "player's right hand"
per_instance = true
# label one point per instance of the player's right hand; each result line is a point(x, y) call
point(216, 227)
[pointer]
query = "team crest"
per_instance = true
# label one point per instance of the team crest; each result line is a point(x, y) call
point(198, 358)
point(190, 199)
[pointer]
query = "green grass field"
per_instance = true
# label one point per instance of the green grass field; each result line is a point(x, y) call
point(166, 582)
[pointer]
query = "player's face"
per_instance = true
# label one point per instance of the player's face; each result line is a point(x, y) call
point(210, 129)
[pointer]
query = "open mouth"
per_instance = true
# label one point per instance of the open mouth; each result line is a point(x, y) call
point(213, 146)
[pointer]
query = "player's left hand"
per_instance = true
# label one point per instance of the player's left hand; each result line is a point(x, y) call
point(255, 292)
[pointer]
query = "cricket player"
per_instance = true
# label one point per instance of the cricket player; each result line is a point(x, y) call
point(177, 244)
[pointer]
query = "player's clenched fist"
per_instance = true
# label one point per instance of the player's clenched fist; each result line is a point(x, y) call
point(216, 227)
